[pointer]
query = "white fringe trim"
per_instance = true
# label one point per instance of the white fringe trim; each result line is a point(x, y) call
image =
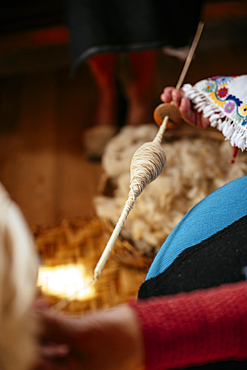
point(236, 134)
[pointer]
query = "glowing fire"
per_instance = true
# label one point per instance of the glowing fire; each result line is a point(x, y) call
point(65, 281)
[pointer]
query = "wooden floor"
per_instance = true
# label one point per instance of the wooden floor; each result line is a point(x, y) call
point(43, 113)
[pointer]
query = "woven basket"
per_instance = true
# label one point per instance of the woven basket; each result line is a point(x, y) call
point(82, 241)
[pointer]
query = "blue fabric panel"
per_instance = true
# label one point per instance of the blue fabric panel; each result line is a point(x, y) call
point(217, 211)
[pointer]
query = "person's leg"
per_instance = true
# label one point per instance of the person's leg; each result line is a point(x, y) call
point(140, 89)
point(102, 67)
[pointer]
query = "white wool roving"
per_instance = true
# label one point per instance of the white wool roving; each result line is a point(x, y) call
point(195, 167)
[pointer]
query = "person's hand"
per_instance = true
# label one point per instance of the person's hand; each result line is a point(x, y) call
point(107, 340)
point(189, 114)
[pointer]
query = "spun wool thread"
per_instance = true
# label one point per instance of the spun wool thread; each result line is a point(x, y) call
point(147, 164)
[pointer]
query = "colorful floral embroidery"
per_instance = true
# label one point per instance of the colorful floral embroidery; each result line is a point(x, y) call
point(223, 80)
point(243, 110)
point(222, 92)
point(244, 123)
point(234, 98)
point(209, 86)
point(216, 100)
point(224, 101)
point(217, 89)
point(229, 106)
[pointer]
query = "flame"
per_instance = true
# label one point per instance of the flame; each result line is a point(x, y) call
point(65, 281)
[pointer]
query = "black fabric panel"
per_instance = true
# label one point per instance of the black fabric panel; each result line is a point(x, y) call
point(110, 25)
point(215, 261)
point(218, 260)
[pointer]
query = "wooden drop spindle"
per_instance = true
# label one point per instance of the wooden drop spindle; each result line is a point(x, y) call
point(163, 110)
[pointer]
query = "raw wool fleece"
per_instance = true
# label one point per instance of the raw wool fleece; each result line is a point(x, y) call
point(224, 101)
point(18, 273)
point(195, 167)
